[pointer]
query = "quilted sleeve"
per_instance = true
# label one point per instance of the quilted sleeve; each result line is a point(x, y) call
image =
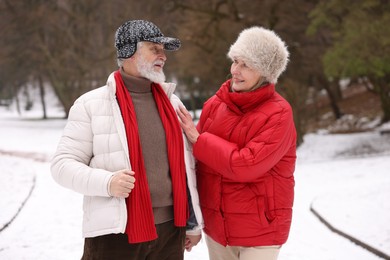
point(70, 164)
point(264, 151)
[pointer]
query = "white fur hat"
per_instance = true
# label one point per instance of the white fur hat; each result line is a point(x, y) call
point(263, 50)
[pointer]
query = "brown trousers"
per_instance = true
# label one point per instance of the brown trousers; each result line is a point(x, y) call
point(168, 246)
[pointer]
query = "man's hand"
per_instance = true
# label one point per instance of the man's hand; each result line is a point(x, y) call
point(187, 124)
point(121, 183)
point(192, 240)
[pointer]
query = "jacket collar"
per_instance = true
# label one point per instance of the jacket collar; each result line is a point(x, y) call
point(243, 102)
point(169, 88)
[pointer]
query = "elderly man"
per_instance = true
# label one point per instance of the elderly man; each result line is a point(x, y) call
point(123, 149)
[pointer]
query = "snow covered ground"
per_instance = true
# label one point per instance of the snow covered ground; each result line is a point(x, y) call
point(345, 178)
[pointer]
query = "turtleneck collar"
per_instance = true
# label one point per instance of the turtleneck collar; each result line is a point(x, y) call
point(242, 102)
point(135, 84)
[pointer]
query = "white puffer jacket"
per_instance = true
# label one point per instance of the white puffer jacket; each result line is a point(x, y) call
point(94, 146)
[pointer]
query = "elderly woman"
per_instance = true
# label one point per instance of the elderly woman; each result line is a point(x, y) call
point(245, 146)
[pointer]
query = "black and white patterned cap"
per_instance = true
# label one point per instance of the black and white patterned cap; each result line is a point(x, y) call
point(130, 33)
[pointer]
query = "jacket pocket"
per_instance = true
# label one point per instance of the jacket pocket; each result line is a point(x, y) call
point(261, 210)
point(101, 213)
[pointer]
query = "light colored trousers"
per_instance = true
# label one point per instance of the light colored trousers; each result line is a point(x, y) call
point(219, 252)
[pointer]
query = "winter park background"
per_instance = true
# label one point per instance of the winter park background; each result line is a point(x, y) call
point(343, 178)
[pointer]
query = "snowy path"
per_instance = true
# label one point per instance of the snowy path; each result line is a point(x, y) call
point(49, 225)
point(309, 238)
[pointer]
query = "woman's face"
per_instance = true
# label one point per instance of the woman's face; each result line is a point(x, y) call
point(244, 78)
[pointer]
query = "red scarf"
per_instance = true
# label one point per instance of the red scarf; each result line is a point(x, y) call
point(140, 220)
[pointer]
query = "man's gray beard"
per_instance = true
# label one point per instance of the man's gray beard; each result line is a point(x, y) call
point(147, 71)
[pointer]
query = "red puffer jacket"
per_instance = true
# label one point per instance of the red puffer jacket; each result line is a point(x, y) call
point(246, 161)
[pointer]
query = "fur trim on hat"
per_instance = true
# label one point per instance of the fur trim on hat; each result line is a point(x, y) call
point(263, 50)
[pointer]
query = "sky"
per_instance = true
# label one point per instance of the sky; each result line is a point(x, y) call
point(345, 178)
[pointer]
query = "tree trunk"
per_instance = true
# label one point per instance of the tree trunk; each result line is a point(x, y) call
point(42, 96)
point(15, 94)
point(18, 105)
point(384, 92)
point(332, 98)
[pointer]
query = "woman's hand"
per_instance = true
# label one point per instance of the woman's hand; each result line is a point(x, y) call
point(187, 124)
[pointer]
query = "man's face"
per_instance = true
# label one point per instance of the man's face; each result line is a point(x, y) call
point(149, 61)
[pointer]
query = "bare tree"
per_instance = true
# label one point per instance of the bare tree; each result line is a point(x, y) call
point(209, 27)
